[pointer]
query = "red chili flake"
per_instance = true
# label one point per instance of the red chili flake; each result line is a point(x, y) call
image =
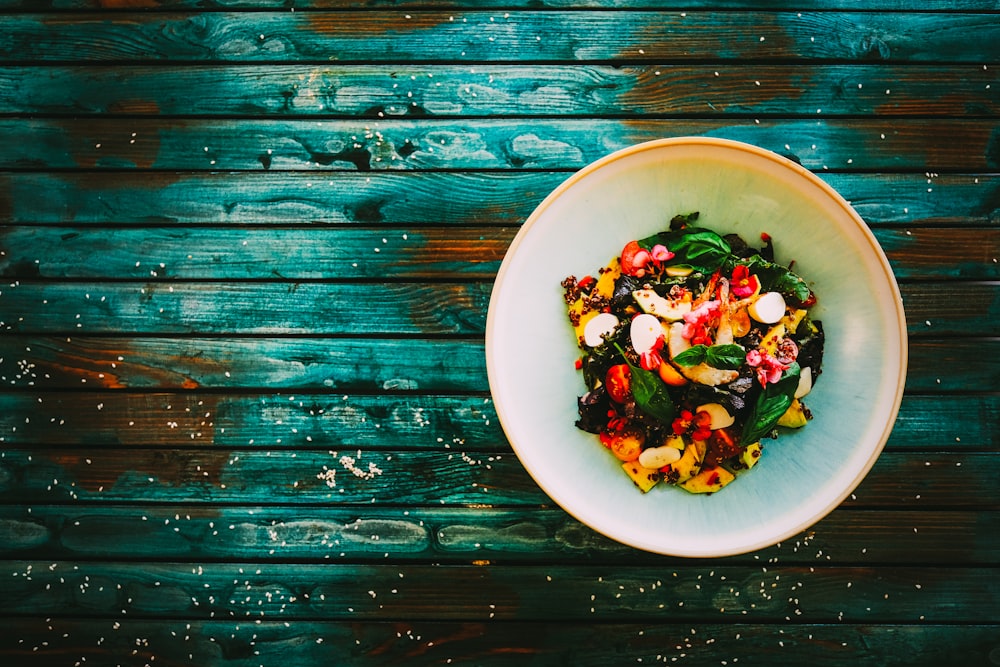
point(713, 479)
point(579, 363)
point(765, 237)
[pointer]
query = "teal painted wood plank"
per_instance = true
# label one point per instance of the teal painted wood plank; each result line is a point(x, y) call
point(256, 476)
point(394, 36)
point(933, 307)
point(401, 90)
point(265, 308)
point(214, 5)
point(414, 198)
point(911, 480)
point(252, 591)
point(279, 197)
point(353, 253)
point(152, 308)
point(501, 143)
point(249, 253)
point(98, 419)
point(343, 365)
point(418, 643)
point(349, 365)
point(200, 533)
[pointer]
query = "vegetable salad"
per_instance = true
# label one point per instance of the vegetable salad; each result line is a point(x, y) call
point(696, 348)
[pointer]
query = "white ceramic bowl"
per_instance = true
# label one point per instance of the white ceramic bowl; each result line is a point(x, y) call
point(630, 194)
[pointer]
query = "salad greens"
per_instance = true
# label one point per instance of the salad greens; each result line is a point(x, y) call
point(696, 348)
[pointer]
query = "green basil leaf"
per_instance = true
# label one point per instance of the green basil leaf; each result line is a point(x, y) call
point(649, 392)
point(697, 247)
point(651, 395)
point(728, 357)
point(777, 278)
point(692, 356)
point(772, 402)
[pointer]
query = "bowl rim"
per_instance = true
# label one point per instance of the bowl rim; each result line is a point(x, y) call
point(815, 181)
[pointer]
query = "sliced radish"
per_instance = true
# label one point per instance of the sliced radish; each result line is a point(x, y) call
point(768, 308)
point(645, 330)
point(598, 327)
point(720, 417)
point(657, 457)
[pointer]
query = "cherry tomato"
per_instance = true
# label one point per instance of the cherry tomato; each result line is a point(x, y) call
point(626, 445)
point(634, 259)
point(618, 382)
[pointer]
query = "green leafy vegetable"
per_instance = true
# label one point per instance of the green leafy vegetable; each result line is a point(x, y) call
point(697, 247)
point(776, 278)
point(727, 357)
point(772, 402)
point(650, 393)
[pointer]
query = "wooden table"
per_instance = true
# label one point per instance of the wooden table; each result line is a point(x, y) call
point(247, 250)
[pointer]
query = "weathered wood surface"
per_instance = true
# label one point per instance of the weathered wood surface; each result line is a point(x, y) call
point(353, 308)
point(443, 90)
point(312, 591)
point(422, 642)
point(206, 533)
point(95, 419)
point(279, 5)
point(900, 144)
point(501, 36)
point(297, 253)
point(357, 364)
point(241, 240)
point(119, 198)
point(453, 476)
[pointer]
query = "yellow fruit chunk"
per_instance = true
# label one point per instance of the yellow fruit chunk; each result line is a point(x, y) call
point(750, 455)
point(771, 339)
point(793, 319)
point(708, 480)
point(689, 464)
point(644, 478)
point(605, 287)
point(606, 283)
point(795, 415)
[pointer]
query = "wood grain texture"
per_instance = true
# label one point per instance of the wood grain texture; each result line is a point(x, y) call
point(385, 422)
point(958, 480)
point(357, 364)
point(215, 5)
point(248, 253)
point(475, 36)
point(56, 641)
point(353, 253)
point(897, 145)
point(247, 247)
point(502, 90)
point(203, 533)
point(307, 591)
point(269, 308)
point(262, 197)
point(349, 308)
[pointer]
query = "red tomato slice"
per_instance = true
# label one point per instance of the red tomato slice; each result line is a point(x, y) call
point(618, 382)
point(633, 258)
